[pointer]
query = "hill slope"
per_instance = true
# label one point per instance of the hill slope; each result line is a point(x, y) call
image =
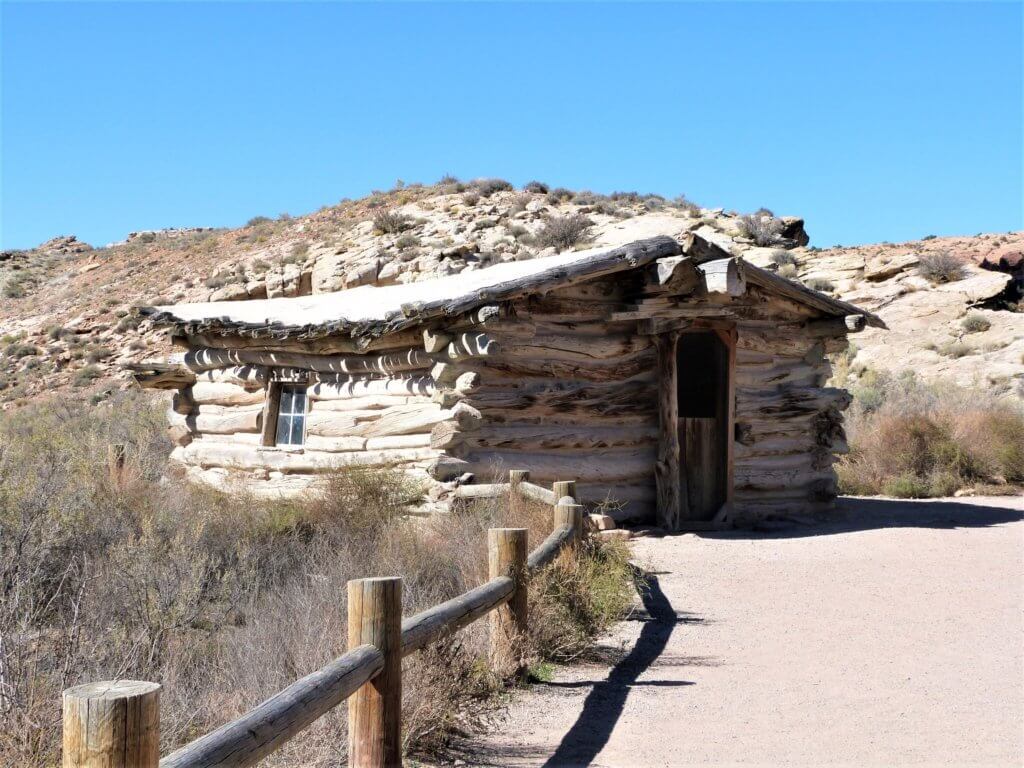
point(67, 324)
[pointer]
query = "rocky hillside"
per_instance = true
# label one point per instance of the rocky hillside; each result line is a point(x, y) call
point(66, 320)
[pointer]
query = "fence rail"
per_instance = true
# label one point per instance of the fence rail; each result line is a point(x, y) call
point(368, 676)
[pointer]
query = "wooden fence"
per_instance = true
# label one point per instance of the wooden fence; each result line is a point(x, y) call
point(115, 724)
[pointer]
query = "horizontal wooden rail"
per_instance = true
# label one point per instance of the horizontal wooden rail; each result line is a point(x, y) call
point(549, 548)
point(535, 492)
point(260, 731)
point(369, 674)
point(449, 617)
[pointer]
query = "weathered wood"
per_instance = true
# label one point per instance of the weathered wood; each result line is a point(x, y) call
point(563, 488)
point(367, 403)
point(724, 276)
point(676, 274)
point(224, 394)
point(482, 491)
point(435, 341)
point(610, 464)
point(263, 730)
point(703, 245)
point(569, 514)
point(375, 709)
point(223, 420)
point(837, 326)
point(536, 493)
point(160, 375)
point(671, 493)
point(112, 724)
point(550, 547)
point(236, 455)
point(205, 358)
point(517, 476)
point(447, 618)
point(506, 556)
point(334, 344)
point(555, 437)
point(347, 387)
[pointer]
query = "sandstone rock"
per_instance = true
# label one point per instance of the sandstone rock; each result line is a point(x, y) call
point(599, 522)
point(884, 269)
point(364, 274)
point(617, 534)
point(230, 292)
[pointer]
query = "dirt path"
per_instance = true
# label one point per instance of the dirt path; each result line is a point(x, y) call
point(895, 640)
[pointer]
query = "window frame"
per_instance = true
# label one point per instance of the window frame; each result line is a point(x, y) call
point(278, 380)
point(292, 415)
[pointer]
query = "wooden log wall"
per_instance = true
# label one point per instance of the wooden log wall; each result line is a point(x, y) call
point(562, 385)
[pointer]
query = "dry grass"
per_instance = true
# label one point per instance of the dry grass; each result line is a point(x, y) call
point(912, 441)
point(227, 600)
point(941, 267)
point(562, 232)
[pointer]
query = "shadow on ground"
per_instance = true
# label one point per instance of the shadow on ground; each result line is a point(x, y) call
point(607, 698)
point(864, 514)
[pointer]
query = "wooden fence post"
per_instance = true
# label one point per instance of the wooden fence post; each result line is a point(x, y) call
point(506, 556)
point(515, 477)
point(375, 710)
point(564, 488)
point(569, 514)
point(112, 724)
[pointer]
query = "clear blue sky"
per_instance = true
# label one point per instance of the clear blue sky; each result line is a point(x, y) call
point(873, 121)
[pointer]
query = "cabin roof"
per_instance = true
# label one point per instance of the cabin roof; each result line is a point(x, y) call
point(373, 311)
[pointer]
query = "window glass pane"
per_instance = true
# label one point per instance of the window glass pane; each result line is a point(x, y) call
point(298, 400)
point(286, 400)
point(283, 429)
point(298, 423)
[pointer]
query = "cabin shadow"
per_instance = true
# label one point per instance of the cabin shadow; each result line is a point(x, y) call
point(864, 514)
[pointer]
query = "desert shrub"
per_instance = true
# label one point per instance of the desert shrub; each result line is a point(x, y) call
point(96, 354)
point(975, 323)
point(225, 599)
point(559, 195)
point(909, 439)
point(561, 232)
point(537, 187)
point(487, 187)
point(217, 281)
point(941, 267)
point(471, 199)
point(956, 349)
point(387, 221)
point(18, 350)
point(299, 249)
point(761, 227)
point(782, 257)
point(788, 271)
point(407, 241)
point(85, 376)
point(685, 204)
point(255, 221)
point(820, 284)
point(14, 288)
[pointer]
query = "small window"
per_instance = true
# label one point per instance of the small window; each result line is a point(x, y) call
point(291, 415)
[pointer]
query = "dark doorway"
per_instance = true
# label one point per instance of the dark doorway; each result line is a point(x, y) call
point(693, 465)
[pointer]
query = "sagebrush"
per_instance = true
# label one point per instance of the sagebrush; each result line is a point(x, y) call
point(227, 599)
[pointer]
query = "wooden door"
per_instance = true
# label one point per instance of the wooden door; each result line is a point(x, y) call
point(694, 470)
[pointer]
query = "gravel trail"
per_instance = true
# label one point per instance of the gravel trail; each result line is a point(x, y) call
point(894, 636)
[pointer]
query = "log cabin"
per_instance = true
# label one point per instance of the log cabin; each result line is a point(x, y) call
point(674, 381)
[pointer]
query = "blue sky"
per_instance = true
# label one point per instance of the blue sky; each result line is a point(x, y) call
point(873, 121)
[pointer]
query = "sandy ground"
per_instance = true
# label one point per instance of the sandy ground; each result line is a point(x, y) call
point(892, 637)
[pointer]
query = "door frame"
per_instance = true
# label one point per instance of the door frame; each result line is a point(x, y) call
point(672, 506)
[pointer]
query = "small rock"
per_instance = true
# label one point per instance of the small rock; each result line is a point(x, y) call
point(617, 534)
point(599, 522)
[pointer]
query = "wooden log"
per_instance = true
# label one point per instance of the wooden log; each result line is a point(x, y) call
point(336, 444)
point(346, 387)
point(367, 403)
point(609, 465)
point(506, 556)
point(207, 453)
point(375, 709)
point(205, 358)
point(482, 491)
point(247, 376)
point(225, 394)
point(676, 274)
point(706, 245)
point(517, 476)
point(550, 548)
point(223, 420)
point(472, 344)
point(398, 420)
point(258, 733)
point(385, 442)
point(447, 618)
point(569, 397)
point(161, 375)
point(536, 493)
point(563, 488)
point(334, 344)
point(112, 724)
point(434, 341)
point(569, 514)
point(836, 326)
point(182, 401)
point(555, 437)
point(724, 276)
